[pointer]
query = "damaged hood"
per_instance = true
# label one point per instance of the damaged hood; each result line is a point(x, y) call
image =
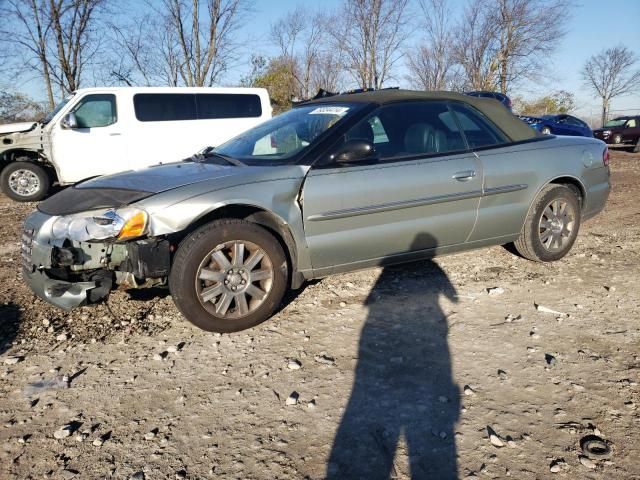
point(16, 127)
point(124, 188)
point(160, 178)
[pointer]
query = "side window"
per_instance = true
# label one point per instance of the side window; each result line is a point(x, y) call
point(477, 129)
point(96, 111)
point(225, 105)
point(408, 130)
point(164, 107)
point(633, 123)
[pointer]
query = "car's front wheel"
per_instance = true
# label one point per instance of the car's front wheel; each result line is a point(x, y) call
point(25, 181)
point(617, 139)
point(551, 226)
point(228, 275)
point(545, 131)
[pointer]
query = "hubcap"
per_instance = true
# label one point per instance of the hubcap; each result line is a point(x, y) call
point(556, 225)
point(234, 279)
point(24, 182)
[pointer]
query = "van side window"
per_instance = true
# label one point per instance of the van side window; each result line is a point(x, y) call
point(96, 111)
point(222, 105)
point(164, 107)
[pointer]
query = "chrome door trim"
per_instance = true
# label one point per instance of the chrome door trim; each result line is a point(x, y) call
point(504, 189)
point(386, 207)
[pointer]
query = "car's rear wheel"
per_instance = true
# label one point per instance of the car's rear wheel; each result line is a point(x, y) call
point(25, 181)
point(228, 275)
point(551, 226)
point(617, 139)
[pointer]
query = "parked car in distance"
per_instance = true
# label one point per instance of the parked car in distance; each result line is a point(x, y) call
point(347, 182)
point(99, 131)
point(621, 131)
point(501, 97)
point(560, 124)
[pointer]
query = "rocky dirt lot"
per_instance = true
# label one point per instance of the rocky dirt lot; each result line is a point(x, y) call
point(479, 365)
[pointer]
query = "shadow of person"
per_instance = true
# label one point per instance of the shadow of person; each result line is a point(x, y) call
point(9, 325)
point(403, 382)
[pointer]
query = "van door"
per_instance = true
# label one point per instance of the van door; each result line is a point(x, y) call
point(96, 147)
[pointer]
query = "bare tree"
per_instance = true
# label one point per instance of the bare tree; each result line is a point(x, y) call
point(432, 64)
point(204, 38)
point(528, 32)
point(57, 38)
point(304, 48)
point(611, 74)
point(370, 34)
point(474, 48)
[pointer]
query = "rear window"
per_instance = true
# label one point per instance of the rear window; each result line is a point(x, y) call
point(164, 107)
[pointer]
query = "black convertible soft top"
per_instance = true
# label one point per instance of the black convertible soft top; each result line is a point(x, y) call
point(511, 125)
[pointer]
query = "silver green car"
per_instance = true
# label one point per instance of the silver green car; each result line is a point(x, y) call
point(333, 185)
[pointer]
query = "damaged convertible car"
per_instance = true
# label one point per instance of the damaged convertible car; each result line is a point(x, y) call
point(333, 185)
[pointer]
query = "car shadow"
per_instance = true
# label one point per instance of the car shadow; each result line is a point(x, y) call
point(403, 384)
point(9, 325)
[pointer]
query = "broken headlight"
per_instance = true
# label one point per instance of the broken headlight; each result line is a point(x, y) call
point(122, 224)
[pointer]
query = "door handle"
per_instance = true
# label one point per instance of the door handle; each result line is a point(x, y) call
point(464, 175)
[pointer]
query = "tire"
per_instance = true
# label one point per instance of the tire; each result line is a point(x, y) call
point(617, 139)
point(545, 131)
point(25, 181)
point(201, 282)
point(537, 241)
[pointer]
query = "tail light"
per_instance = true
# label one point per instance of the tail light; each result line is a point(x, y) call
point(605, 156)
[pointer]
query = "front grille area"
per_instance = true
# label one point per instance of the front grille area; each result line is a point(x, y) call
point(25, 248)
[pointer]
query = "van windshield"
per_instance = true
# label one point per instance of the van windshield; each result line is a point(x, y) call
point(57, 108)
point(288, 134)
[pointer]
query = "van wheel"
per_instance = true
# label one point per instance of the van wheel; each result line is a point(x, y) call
point(25, 181)
point(551, 226)
point(228, 275)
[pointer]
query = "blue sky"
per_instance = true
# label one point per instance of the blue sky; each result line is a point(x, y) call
point(593, 25)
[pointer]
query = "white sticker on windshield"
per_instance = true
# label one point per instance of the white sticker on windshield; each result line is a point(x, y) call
point(329, 111)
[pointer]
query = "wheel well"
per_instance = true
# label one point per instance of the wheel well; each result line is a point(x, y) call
point(574, 184)
point(31, 156)
point(263, 218)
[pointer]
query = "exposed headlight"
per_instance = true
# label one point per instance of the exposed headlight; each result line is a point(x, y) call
point(606, 132)
point(123, 224)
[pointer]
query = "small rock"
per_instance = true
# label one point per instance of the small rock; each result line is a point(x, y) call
point(294, 364)
point(495, 440)
point(543, 309)
point(172, 349)
point(311, 404)
point(468, 390)
point(98, 442)
point(512, 318)
point(555, 467)
point(292, 399)
point(159, 356)
point(550, 359)
point(137, 476)
point(62, 337)
point(180, 474)
point(150, 435)
point(64, 431)
point(495, 291)
point(342, 304)
point(68, 474)
point(325, 359)
point(46, 322)
point(587, 462)
point(13, 360)
point(503, 375)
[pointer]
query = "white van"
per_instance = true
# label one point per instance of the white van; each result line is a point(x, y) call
point(99, 131)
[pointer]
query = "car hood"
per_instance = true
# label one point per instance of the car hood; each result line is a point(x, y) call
point(124, 188)
point(16, 127)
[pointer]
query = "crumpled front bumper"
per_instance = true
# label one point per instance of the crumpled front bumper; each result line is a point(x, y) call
point(37, 248)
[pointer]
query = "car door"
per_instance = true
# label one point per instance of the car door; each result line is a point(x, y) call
point(421, 193)
point(631, 130)
point(505, 198)
point(97, 146)
point(562, 126)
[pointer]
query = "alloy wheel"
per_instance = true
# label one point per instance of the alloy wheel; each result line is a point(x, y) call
point(234, 279)
point(556, 224)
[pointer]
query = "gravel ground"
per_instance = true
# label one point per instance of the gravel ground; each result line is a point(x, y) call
point(447, 369)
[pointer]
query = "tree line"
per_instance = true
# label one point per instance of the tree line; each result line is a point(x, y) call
point(489, 45)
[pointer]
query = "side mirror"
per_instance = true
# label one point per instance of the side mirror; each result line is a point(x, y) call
point(69, 121)
point(355, 151)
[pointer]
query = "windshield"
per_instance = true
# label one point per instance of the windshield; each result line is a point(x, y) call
point(57, 108)
point(288, 134)
point(618, 122)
